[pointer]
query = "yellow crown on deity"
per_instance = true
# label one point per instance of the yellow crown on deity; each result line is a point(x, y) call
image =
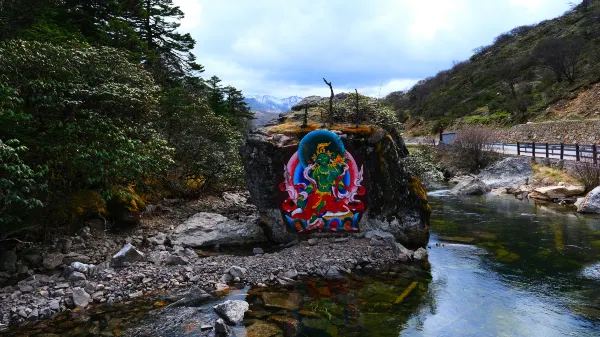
point(321, 149)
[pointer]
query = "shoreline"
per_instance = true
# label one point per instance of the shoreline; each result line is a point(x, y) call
point(42, 297)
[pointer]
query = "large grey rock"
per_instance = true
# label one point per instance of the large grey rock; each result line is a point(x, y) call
point(470, 187)
point(209, 229)
point(396, 201)
point(591, 203)
point(232, 311)
point(128, 254)
point(8, 262)
point(80, 297)
point(510, 172)
point(52, 260)
point(556, 192)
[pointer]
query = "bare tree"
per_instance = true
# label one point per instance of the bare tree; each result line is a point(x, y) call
point(305, 124)
point(357, 111)
point(472, 150)
point(561, 55)
point(330, 102)
point(509, 71)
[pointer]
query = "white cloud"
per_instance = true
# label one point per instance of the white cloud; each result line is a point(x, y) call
point(192, 10)
point(529, 4)
point(284, 48)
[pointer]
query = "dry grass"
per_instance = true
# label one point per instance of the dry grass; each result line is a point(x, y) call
point(545, 175)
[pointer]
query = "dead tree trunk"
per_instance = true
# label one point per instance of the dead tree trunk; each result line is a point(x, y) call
point(330, 102)
point(305, 124)
point(357, 111)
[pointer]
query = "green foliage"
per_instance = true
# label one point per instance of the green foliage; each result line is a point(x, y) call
point(494, 118)
point(106, 97)
point(422, 163)
point(19, 185)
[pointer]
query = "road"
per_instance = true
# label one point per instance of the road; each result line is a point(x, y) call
point(569, 152)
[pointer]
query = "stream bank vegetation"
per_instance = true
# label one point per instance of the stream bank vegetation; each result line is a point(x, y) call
point(100, 114)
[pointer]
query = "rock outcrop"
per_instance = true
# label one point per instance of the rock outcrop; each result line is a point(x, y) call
point(397, 201)
point(591, 202)
point(209, 229)
point(511, 172)
point(556, 192)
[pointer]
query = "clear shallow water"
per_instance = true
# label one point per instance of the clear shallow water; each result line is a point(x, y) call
point(499, 267)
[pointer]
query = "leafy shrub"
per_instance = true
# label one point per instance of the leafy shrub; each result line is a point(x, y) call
point(19, 185)
point(422, 163)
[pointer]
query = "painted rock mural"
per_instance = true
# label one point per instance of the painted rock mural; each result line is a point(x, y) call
point(324, 186)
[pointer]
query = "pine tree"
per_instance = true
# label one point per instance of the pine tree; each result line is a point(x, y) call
point(236, 107)
point(215, 95)
point(168, 53)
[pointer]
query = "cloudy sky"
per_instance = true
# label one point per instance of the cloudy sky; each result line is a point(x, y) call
point(284, 48)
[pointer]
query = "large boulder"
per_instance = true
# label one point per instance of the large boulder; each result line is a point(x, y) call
point(591, 202)
point(209, 229)
point(511, 172)
point(472, 186)
point(556, 192)
point(396, 200)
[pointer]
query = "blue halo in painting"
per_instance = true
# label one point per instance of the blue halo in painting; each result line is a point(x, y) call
point(309, 143)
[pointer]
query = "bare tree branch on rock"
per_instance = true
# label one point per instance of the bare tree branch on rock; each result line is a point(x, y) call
point(330, 102)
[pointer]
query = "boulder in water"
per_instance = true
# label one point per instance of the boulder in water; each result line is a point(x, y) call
point(472, 186)
point(591, 202)
point(510, 172)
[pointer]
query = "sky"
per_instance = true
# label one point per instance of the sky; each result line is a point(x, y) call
point(284, 48)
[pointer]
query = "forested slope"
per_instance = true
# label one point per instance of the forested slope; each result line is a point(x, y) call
point(515, 79)
point(102, 108)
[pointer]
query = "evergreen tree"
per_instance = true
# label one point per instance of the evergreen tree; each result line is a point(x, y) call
point(215, 95)
point(235, 106)
point(168, 53)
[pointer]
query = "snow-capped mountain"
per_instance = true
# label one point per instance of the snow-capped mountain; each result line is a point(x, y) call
point(266, 103)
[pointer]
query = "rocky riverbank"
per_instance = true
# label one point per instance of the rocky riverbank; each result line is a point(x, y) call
point(87, 270)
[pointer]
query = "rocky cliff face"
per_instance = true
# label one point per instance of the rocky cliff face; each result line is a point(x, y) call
point(397, 201)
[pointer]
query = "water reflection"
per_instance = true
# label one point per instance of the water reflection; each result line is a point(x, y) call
point(516, 272)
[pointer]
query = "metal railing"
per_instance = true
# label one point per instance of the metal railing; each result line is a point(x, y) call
point(561, 151)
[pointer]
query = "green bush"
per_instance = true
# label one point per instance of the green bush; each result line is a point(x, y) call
point(19, 187)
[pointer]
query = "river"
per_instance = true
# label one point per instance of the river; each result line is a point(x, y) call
point(499, 267)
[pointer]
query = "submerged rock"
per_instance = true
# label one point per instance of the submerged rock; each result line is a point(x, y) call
point(209, 229)
point(232, 311)
point(591, 202)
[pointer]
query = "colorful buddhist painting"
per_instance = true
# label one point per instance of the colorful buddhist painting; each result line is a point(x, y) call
point(323, 183)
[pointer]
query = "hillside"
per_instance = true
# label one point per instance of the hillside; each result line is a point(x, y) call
point(532, 73)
